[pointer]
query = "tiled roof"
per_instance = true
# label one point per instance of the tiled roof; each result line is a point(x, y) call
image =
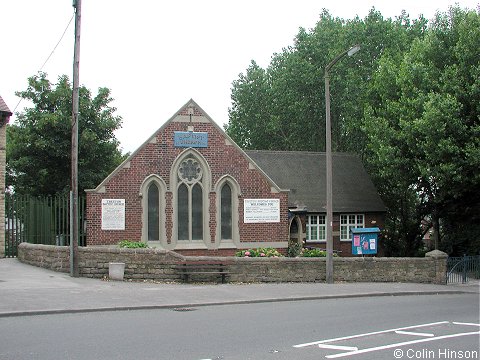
point(303, 173)
point(4, 108)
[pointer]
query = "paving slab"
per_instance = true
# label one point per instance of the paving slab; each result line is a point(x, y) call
point(30, 290)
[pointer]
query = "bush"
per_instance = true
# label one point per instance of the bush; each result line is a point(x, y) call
point(132, 244)
point(260, 252)
point(314, 252)
point(294, 249)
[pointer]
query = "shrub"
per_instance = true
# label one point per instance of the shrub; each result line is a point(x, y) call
point(260, 252)
point(314, 252)
point(294, 249)
point(132, 244)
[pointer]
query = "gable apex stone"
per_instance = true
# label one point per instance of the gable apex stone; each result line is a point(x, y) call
point(192, 116)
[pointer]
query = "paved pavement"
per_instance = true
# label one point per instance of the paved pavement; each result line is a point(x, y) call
point(29, 290)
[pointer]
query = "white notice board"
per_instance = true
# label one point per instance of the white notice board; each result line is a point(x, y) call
point(261, 210)
point(113, 214)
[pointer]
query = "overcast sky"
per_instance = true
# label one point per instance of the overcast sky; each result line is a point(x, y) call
point(156, 55)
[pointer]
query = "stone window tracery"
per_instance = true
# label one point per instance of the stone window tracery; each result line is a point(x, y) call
point(190, 171)
point(190, 200)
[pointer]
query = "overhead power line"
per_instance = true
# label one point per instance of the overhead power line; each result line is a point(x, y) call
point(59, 41)
point(49, 56)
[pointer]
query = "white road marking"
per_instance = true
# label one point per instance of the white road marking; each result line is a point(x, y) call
point(390, 346)
point(400, 332)
point(368, 334)
point(337, 347)
point(462, 323)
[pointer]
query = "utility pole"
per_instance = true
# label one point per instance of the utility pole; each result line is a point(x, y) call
point(77, 4)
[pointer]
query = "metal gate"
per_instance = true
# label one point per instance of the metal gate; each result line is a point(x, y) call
point(39, 220)
point(462, 269)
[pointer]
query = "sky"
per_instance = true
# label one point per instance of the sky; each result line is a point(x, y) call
point(155, 56)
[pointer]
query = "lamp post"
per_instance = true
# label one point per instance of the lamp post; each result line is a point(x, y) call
point(328, 151)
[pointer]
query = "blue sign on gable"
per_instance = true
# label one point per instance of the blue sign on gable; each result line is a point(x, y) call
point(190, 139)
point(364, 241)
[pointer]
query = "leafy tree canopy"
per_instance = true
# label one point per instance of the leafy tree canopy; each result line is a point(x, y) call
point(424, 132)
point(39, 143)
point(408, 103)
point(282, 107)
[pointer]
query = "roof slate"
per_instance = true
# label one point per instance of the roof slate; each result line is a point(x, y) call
point(4, 108)
point(303, 173)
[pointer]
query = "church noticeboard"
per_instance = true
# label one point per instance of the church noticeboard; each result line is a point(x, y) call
point(113, 214)
point(190, 139)
point(364, 241)
point(261, 210)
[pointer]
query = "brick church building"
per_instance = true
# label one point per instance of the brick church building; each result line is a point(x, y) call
point(191, 189)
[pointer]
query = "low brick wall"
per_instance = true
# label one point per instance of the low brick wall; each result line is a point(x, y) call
point(154, 264)
point(56, 258)
point(93, 262)
point(430, 269)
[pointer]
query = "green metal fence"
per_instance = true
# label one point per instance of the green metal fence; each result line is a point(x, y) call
point(40, 220)
point(462, 269)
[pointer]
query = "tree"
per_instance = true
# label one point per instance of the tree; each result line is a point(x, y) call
point(283, 108)
point(408, 103)
point(250, 108)
point(39, 143)
point(424, 132)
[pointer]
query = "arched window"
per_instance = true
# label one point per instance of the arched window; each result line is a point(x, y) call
point(197, 212)
point(152, 193)
point(190, 210)
point(227, 233)
point(226, 211)
point(153, 216)
point(183, 212)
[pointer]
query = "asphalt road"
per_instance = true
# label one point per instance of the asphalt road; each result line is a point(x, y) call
point(405, 327)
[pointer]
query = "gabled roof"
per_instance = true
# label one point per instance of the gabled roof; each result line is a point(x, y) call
point(4, 108)
point(182, 112)
point(304, 174)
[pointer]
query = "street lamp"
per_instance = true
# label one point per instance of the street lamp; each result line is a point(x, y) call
point(328, 150)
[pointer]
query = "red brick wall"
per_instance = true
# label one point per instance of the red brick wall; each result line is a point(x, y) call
point(345, 247)
point(158, 158)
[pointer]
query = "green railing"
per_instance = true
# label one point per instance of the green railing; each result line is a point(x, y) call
point(40, 220)
point(462, 269)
